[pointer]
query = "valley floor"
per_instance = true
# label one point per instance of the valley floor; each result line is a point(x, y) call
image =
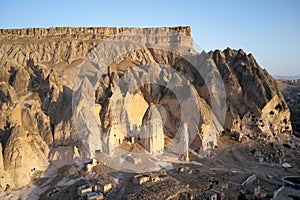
point(234, 171)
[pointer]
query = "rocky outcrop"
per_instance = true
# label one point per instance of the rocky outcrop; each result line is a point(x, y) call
point(24, 154)
point(255, 105)
point(10, 111)
point(4, 74)
point(152, 134)
point(62, 86)
point(137, 107)
point(7, 95)
point(21, 81)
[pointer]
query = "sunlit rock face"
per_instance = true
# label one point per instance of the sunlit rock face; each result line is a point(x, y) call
point(24, 153)
point(152, 135)
point(62, 87)
point(255, 105)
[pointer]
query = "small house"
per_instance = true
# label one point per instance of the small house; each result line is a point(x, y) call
point(213, 179)
point(210, 195)
point(104, 187)
point(154, 178)
point(90, 187)
point(94, 196)
point(140, 179)
point(220, 193)
point(83, 190)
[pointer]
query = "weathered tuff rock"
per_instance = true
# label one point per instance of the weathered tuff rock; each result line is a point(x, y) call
point(255, 105)
point(153, 124)
point(24, 153)
point(38, 69)
point(21, 81)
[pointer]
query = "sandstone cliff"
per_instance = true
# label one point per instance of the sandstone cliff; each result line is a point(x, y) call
point(39, 71)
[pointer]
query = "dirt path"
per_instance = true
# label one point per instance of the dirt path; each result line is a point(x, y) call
point(232, 159)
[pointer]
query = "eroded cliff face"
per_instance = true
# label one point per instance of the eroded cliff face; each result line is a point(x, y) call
point(38, 71)
point(256, 108)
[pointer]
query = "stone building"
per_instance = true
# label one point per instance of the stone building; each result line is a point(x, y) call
point(140, 179)
point(85, 189)
point(104, 186)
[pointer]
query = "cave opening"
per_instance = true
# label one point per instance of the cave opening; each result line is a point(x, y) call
point(278, 107)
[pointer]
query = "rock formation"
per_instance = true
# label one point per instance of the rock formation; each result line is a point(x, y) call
point(152, 134)
point(184, 143)
point(24, 154)
point(255, 105)
point(63, 86)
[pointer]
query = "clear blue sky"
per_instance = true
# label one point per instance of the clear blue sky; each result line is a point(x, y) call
point(270, 29)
